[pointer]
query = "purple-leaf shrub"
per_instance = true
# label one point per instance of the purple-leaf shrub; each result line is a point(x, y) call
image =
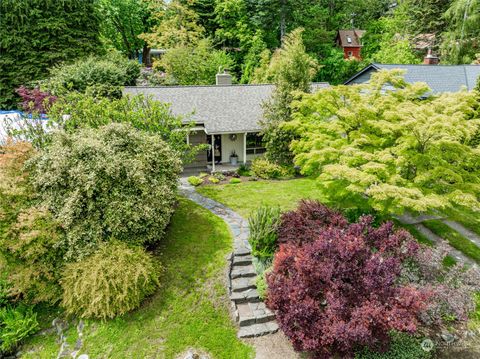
point(35, 100)
point(303, 224)
point(336, 288)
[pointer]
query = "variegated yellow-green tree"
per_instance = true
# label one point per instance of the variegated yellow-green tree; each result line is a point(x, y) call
point(390, 144)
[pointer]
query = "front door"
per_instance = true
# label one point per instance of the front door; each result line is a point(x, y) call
point(217, 151)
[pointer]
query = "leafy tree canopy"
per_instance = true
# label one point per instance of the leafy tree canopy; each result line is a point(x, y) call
point(382, 143)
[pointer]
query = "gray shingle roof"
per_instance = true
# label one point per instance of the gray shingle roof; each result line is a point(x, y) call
point(440, 78)
point(222, 109)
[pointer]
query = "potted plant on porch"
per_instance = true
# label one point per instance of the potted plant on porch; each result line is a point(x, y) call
point(233, 158)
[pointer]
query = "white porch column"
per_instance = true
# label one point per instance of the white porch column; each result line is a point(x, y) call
point(213, 153)
point(188, 138)
point(245, 148)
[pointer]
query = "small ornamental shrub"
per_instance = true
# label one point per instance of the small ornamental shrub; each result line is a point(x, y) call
point(235, 181)
point(110, 282)
point(195, 181)
point(338, 291)
point(244, 170)
point(262, 168)
point(308, 221)
point(35, 100)
point(220, 176)
point(261, 283)
point(203, 175)
point(213, 180)
point(16, 324)
point(112, 182)
point(263, 224)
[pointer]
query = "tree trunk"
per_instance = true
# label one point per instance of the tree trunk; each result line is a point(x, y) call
point(146, 56)
point(283, 25)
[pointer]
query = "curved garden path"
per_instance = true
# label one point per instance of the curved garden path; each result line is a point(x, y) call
point(251, 313)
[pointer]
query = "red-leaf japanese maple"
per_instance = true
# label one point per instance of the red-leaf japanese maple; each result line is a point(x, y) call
point(35, 100)
point(338, 291)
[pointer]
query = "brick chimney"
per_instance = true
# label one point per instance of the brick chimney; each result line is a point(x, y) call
point(431, 59)
point(224, 79)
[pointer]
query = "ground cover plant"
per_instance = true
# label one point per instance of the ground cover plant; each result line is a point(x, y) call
point(190, 309)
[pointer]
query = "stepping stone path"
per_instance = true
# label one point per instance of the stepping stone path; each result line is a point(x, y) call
point(251, 314)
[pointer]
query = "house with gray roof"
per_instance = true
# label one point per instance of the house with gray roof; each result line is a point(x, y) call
point(226, 116)
point(440, 78)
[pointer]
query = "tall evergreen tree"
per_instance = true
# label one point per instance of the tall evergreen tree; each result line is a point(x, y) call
point(292, 69)
point(37, 34)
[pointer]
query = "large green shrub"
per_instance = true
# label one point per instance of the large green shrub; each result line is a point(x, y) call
point(98, 76)
point(263, 225)
point(38, 34)
point(111, 182)
point(110, 282)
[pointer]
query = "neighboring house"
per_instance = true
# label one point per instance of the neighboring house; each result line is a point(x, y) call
point(440, 78)
point(226, 116)
point(351, 42)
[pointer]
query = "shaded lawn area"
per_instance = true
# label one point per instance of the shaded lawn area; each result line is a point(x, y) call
point(467, 218)
point(455, 239)
point(247, 196)
point(190, 310)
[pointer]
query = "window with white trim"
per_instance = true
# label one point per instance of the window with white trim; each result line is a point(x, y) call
point(255, 144)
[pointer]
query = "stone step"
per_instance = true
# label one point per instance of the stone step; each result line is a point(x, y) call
point(241, 252)
point(250, 295)
point(257, 330)
point(245, 321)
point(239, 261)
point(242, 284)
point(242, 272)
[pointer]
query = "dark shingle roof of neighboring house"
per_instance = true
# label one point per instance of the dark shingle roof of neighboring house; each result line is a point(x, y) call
point(440, 78)
point(350, 38)
point(221, 109)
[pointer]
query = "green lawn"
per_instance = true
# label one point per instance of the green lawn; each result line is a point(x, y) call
point(467, 218)
point(247, 196)
point(188, 311)
point(455, 239)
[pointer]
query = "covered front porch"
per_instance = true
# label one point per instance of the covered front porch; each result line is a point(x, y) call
point(226, 151)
